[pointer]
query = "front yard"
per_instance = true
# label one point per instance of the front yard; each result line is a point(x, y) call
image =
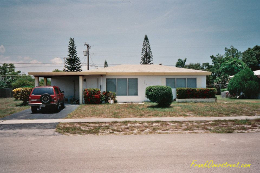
point(9, 106)
point(223, 107)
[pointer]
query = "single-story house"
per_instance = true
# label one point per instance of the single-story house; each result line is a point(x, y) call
point(128, 81)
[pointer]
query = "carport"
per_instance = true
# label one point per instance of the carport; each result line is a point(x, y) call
point(71, 82)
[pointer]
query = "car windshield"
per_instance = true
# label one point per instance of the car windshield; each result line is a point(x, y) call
point(40, 91)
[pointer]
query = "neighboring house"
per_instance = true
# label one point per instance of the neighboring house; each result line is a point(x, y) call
point(128, 81)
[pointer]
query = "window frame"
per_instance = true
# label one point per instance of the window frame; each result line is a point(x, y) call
point(186, 82)
point(127, 86)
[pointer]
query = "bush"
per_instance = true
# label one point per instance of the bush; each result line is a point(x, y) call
point(244, 82)
point(160, 94)
point(183, 93)
point(108, 95)
point(17, 93)
point(92, 96)
point(22, 94)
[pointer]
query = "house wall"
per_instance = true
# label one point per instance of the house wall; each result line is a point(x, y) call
point(145, 81)
point(68, 84)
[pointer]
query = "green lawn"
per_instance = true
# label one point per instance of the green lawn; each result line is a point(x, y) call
point(223, 107)
point(9, 106)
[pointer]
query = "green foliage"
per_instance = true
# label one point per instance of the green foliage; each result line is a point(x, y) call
point(72, 63)
point(92, 96)
point(246, 82)
point(249, 57)
point(41, 82)
point(256, 49)
point(108, 95)
point(181, 63)
point(146, 55)
point(22, 94)
point(232, 53)
point(8, 75)
point(57, 70)
point(183, 93)
point(23, 81)
point(105, 64)
point(160, 94)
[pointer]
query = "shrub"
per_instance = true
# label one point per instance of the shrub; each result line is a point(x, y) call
point(160, 94)
point(92, 96)
point(22, 94)
point(108, 95)
point(17, 93)
point(183, 93)
point(244, 82)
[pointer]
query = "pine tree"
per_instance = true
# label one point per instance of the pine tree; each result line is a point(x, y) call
point(72, 63)
point(146, 55)
point(105, 64)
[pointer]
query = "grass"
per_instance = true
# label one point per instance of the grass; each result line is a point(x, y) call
point(9, 106)
point(158, 127)
point(223, 107)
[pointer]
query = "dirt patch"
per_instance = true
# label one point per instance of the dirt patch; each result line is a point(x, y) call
point(158, 127)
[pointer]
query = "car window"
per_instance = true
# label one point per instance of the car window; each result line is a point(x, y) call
point(40, 91)
point(56, 90)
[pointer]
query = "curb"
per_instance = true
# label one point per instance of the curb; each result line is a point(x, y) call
point(93, 120)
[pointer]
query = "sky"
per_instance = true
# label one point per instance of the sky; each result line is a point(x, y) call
point(34, 34)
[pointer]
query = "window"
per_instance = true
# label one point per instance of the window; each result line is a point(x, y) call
point(170, 82)
point(132, 86)
point(111, 84)
point(181, 82)
point(122, 86)
point(40, 91)
point(191, 83)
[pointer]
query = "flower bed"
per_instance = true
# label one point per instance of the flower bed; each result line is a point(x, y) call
point(94, 96)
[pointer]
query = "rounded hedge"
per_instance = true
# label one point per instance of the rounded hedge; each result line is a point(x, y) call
point(244, 82)
point(160, 94)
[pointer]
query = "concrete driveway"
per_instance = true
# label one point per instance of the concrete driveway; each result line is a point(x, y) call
point(27, 114)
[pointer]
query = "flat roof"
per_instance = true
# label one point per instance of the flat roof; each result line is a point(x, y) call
point(128, 69)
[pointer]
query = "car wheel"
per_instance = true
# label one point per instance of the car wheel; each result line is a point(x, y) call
point(45, 98)
point(57, 107)
point(33, 109)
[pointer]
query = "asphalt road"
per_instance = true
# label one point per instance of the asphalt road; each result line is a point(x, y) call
point(27, 114)
point(47, 151)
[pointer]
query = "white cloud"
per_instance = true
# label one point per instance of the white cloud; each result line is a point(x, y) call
point(35, 61)
point(2, 49)
point(57, 60)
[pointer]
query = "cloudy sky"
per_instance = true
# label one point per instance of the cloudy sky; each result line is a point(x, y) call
point(38, 32)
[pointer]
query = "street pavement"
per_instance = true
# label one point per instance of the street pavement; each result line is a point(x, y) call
point(29, 143)
point(46, 151)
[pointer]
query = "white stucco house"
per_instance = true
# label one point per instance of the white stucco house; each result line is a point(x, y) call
point(128, 81)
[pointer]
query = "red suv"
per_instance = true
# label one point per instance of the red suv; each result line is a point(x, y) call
point(46, 96)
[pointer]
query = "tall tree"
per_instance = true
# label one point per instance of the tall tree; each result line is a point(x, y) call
point(146, 55)
point(72, 63)
point(105, 64)
point(8, 75)
point(232, 52)
point(181, 63)
point(249, 57)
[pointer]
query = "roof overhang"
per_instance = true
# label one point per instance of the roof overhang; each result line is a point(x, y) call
point(89, 73)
